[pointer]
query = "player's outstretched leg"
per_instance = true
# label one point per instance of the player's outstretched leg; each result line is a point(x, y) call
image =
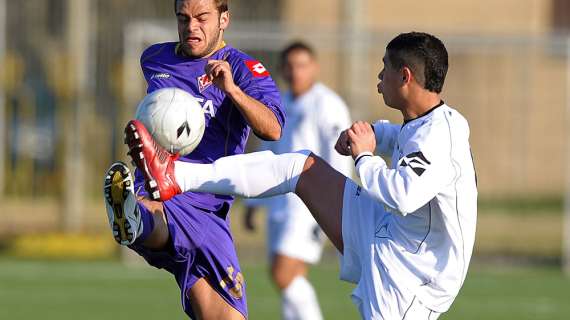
point(121, 204)
point(258, 174)
point(156, 164)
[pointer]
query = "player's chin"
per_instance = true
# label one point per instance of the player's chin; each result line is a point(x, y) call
point(195, 49)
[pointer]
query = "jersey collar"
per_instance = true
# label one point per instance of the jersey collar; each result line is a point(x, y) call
point(441, 103)
point(178, 49)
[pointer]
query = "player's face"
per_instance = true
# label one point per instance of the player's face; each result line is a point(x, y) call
point(200, 26)
point(390, 84)
point(300, 71)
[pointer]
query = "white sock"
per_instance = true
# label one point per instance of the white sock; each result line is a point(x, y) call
point(299, 301)
point(250, 175)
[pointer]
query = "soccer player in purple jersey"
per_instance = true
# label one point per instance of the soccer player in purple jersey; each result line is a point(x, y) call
point(189, 235)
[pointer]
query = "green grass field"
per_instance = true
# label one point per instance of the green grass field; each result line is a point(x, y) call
point(108, 290)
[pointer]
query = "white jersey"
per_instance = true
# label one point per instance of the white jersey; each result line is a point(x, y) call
point(425, 243)
point(314, 122)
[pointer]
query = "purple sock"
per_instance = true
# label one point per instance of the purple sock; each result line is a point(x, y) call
point(147, 221)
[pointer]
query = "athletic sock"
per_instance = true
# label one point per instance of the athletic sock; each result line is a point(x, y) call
point(299, 301)
point(147, 222)
point(251, 175)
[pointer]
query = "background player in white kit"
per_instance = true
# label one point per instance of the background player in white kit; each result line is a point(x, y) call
point(315, 118)
point(407, 235)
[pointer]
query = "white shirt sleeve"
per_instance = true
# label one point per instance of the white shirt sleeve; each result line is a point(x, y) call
point(423, 169)
point(386, 136)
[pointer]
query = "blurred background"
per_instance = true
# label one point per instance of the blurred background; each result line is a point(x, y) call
point(70, 79)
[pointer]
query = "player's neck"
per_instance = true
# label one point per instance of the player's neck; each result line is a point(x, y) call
point(181, 52)
point(420, 106)
point(221, 44)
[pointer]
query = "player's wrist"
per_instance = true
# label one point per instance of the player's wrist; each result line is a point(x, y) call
point(361, 156)
point(233, 91)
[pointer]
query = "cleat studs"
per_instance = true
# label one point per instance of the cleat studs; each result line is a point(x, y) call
point(152, 184)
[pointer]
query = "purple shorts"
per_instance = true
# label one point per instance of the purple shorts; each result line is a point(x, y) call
point(200, 246)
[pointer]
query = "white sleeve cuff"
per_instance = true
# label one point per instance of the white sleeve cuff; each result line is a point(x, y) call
point(361, 156)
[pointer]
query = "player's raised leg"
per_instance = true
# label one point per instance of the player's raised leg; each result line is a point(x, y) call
point(265, 174)
point(122, 212)
point(322, 190)
point(259, 174)
point(132, 219)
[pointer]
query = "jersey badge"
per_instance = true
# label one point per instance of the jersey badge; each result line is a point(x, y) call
point(204, 82)
point(257, 69)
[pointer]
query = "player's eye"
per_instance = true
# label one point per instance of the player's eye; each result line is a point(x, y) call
point(202, 18)
point(182, 19)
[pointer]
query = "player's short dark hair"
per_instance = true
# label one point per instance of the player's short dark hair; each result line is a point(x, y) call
point(296, 46)
point(222, 5)
point(424, 54)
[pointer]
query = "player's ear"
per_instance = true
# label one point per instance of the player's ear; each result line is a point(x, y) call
point(407, 75)
point(224, 20)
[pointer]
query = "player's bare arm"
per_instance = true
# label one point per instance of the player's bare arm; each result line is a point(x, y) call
point(261, 119)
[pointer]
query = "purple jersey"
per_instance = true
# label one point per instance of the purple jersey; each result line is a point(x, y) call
point(200, 243)
point(226, 129)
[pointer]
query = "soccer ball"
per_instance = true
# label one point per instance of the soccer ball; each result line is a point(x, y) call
point(174, 118)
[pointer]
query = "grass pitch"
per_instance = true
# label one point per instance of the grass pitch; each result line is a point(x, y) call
point(109, 290)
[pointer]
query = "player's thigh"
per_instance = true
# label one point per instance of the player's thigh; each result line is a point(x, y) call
point(207, 304)
point(158, 238)
point(322, 188)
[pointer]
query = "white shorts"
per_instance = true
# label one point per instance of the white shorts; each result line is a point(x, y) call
point(292, 231)
point(378, 294)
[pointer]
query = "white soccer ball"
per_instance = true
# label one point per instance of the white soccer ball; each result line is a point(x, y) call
point(174, 118)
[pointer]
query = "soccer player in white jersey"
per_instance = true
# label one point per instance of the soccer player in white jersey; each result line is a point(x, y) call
point(407, 235)
point(316, 116)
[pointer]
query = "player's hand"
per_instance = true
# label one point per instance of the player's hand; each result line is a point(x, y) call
point(361, 138)
point(248, 220)
point(342, 146)
point(220, 72)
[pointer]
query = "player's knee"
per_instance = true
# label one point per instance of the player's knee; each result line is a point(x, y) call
point(281, 280)
point(310, 162)
point(283, 272)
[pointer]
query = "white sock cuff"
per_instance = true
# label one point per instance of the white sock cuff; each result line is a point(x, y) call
point(300, 301)
point(297, 167)
point(298, 284)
